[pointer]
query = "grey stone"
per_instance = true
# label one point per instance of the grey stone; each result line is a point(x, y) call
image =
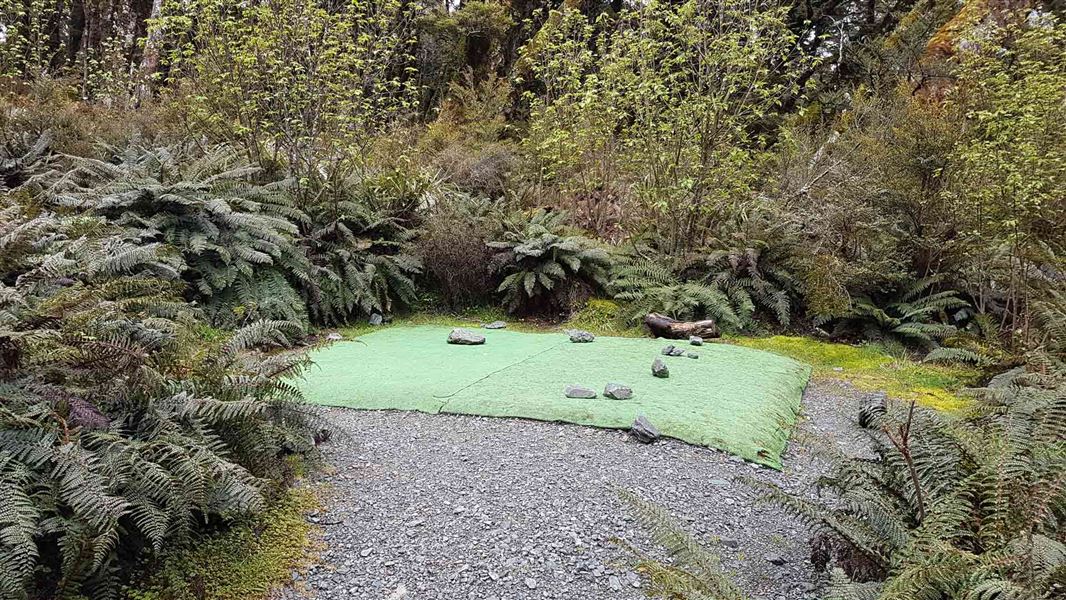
point(658, 368)
point(643, 431)
point(464, 337)
point(775, 559)
point(672, 350)
point(495, 325)
point(730, 543)
point(579, 391)
point(579, 336)
point(695, 340)
point(531, 583)
point(376, 319)
point(692, 355)
point(334, 337)
point(617, 391)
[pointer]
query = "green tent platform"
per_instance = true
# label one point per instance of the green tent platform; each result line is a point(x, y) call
point(740, 400)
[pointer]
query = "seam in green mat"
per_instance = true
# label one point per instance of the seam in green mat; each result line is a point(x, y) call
point(447, 397)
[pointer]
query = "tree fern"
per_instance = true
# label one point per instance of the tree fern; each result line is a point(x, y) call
point(541, 266)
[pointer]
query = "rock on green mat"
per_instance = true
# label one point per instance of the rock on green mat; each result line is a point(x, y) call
point(737, 399)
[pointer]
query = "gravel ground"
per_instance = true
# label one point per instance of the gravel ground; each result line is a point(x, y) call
point(448, 507)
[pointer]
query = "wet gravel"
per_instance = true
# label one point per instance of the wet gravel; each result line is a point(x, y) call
point(441, 507)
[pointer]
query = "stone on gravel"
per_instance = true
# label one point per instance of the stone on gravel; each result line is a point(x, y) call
point(531, 583)
point(495, 325)
point(464, 337)
point(695, 340)
point(580, 337)
point(579, 391)
point(617, 391)
point(376, 319)
point(658, 369)
point(643, 431)
point(775, 559)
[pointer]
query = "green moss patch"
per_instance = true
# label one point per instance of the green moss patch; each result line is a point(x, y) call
point(869, 368)
point(246, 562)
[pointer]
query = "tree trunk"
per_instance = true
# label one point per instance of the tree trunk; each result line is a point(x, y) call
point(665, 327)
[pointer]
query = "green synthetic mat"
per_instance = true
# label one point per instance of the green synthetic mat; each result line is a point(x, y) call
point(736, 399)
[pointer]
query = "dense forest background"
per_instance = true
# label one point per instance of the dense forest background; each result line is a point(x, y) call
point(190, 185)
point(889, 169)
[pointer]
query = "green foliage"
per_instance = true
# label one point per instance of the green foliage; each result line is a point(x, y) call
point(1010, 178)
point(952, 507)
point(916, 317)
point(237, 239)
point(661, 99)
point(453, 247)
point(291, 82)
point(122, 427)
point(248, 561)
point(358, 250)
point(749, 267)
point(542, 267)
point(645, 285)
point(693, 571)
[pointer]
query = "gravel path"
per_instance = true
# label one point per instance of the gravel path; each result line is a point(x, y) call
point(447, 507)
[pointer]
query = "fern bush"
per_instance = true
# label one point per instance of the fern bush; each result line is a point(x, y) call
point(123, 425)
point(360, 255)
point(543, 268)
point(747, 271)
point(916, 317)
point(651, 285)
point(237, 239)
point(952, 507)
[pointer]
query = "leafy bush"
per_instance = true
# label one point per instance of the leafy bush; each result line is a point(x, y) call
point(544, 269)
point(123, 426)
point(452, 246)
point(646, 285)
point(969, 507)
point(237, 239)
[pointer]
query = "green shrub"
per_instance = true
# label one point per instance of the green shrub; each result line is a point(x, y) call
point(359, 251)
point(453, 247)
point(969, 507)
point(916, 316)
point(544, 269)
point(237, 239)
point(123, 424)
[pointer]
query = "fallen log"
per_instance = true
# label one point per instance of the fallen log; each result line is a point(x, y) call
point(665, 327)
